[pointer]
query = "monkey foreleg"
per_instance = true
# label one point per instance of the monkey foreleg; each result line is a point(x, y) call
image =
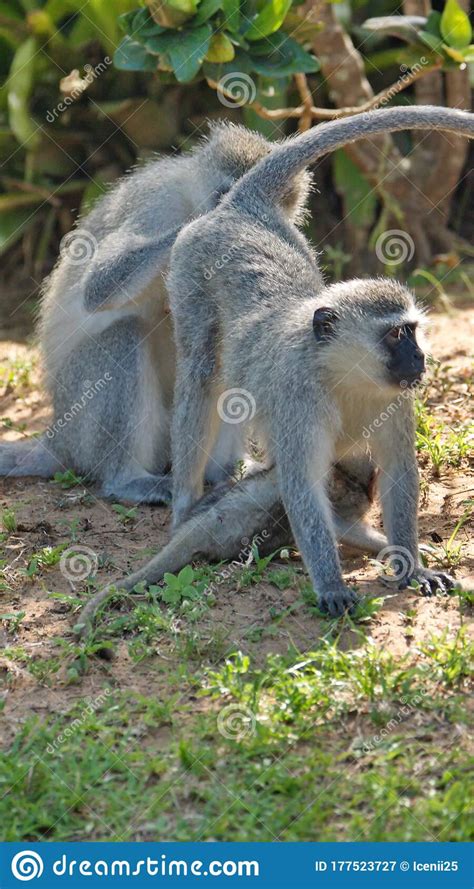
point(399, 493)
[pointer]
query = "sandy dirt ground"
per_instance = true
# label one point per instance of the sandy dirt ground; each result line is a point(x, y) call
point(48, 515)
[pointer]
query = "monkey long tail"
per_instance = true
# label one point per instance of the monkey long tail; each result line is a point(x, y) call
point(268, 180)
point(174, 556)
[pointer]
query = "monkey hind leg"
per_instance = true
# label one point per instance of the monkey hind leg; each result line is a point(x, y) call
point(113, 427)
point(33, 457)
point(359, 535)
point(221, 526)
point(141, 488)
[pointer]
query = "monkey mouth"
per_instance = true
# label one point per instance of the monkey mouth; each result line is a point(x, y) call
point(412, 381)
point(407, 377)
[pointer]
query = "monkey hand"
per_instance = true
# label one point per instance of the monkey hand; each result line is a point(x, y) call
point(335, 602)
point(430, 582)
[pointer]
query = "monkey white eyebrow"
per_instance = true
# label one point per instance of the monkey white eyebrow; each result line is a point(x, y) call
point(401, 321)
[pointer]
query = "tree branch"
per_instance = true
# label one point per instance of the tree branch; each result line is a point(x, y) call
point(307, 111)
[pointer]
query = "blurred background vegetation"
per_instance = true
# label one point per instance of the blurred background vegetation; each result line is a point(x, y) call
point(88, 89)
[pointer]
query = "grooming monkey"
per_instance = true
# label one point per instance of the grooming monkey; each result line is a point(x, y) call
point(224, 522)
point(321, 362)
point(105, 332)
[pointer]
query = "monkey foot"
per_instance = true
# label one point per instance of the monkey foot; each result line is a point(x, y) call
point(430, 582)
point(337, 602)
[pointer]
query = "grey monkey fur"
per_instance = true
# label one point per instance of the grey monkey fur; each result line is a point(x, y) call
point(250, 326)
point(105, 329)
point(223, 522)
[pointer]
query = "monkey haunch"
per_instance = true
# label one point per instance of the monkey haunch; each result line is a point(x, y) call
point(320, 363)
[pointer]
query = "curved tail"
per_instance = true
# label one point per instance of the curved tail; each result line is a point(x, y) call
point(30, 457)
point(269, 179)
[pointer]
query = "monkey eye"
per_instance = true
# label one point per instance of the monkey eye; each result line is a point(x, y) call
point(396, 333)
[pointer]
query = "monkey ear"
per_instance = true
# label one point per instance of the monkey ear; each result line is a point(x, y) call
point(324, 320)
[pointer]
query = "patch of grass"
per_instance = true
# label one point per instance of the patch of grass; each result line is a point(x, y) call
point(69, 479)
point(443, 447)
point(452, 660)
point(449, 554)
point(329, 745)
point(16, 375)
point(47, 557)
point(9, 520)
point(13, 621)
point(282, 578)
point(126, 515)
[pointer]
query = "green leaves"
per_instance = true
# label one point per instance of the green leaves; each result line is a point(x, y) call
point(187, 50)
point(221, 49)
point(181, 586)
point(448, 34)
point(131, 55)
point(20, 86)
point(268, 20)
point(215, 32)
point(455, 26)
point(279, 55)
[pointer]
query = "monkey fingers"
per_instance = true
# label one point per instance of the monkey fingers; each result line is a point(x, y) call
point(431, 582)
point(335, 603)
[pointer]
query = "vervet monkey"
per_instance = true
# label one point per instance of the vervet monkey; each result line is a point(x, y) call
point(224, 522)
point(105, 332)
point(319, 362)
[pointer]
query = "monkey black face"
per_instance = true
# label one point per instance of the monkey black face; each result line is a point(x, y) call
point(406, 361)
